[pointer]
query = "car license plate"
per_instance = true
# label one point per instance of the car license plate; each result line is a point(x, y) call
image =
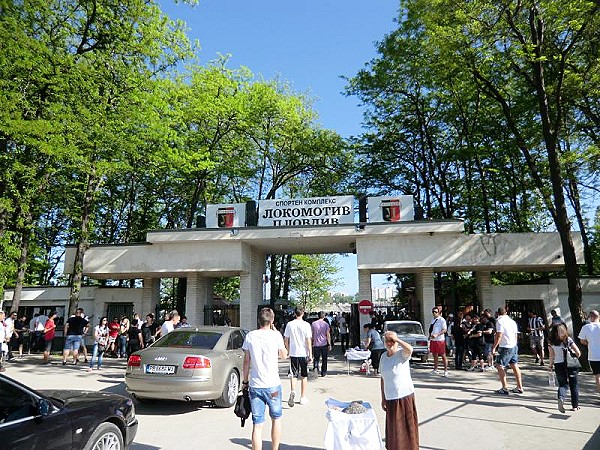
point(151, 368)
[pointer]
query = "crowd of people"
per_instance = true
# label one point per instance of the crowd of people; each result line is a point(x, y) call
point(476, 342)
point(116, 338)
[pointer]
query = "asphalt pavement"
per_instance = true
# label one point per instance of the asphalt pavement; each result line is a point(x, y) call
point(459, 412)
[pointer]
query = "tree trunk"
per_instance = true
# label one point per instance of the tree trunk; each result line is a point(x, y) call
point(92, 186)
point(275, 281)
point(573, 192)
point(21, 268)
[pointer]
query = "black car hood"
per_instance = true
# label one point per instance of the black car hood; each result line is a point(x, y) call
point(73, 397)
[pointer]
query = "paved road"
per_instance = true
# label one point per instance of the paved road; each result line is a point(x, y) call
point(461, 412)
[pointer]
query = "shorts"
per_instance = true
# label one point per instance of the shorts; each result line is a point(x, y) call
point(437, 347)
point(507, 356)
point(595, 365)
point(72, 342)
point(260, 397)
point(112, 339)
point(536, 341)
point(488, 349)
point(299, 366)
point(477, 351)
point(48, 346)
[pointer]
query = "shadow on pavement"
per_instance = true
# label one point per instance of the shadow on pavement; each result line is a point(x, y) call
point(594, 442)
point(136, 446)
point(247, 443)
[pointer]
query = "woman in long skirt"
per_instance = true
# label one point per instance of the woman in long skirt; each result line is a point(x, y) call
point(398, 395)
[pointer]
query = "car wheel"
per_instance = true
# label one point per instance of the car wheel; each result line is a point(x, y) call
point(106, 437)
point(230, 391)
point(424, 358)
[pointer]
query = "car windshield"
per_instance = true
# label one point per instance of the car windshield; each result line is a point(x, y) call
point(191, 339)
point(405, 328)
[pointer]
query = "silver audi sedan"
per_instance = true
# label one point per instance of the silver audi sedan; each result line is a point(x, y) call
point(189, 364)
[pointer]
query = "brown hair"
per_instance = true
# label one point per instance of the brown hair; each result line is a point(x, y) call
point(558, 334)
point(265, 317)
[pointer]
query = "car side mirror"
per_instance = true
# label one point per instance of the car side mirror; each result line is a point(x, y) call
point(44, 407)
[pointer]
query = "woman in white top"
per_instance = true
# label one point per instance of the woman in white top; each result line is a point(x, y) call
point(560, 342)
point(398, 395)
point(100, 343)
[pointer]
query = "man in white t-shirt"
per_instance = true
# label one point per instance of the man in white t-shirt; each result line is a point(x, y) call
point(262, 350)
point(437, 340)
point(298, 342)
point(169, 325)
point(3, 340)
point(9, 323)
point(508, 351)
point(590, 336)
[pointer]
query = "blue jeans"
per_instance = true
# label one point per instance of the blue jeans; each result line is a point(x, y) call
point(72, 342)
point(260, 397)
point(507, 356)
point(567, 379)
point(99, 355)
point(122, 350)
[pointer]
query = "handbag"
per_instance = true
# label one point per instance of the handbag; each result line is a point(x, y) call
point(101, 348)
point(242, 406)
point(570, 359)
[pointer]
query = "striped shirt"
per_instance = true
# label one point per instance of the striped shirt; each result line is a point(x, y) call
point(536, 324)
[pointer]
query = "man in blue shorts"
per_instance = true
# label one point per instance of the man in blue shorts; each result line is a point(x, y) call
point(262, 349)
point(75, 328)
point(508, 351)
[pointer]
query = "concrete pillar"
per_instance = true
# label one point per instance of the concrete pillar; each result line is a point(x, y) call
point(365, 292)
point(425, 292)
point(150, 296)
point(484, 290)
point(251, 290)
point(198, 294)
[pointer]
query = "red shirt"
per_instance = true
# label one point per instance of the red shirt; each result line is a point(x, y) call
point(113, 329)
point(49, 329)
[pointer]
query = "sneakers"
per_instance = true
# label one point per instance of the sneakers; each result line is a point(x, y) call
point(304, 401)
point(64, 363)
point(577, 408)
point(90, 369)
point(561, 405)
point(537, 360)
point(291, 402)
point(434, 372)
point(445, 374)
point(542, 362)
point(502, 391)
point(516, 391)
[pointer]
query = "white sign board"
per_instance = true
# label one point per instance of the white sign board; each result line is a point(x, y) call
point(232, 215)
point(390, 209)
point(313, 211)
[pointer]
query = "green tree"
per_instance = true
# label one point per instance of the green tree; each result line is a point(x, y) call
point(517, 76)
point(313, 278)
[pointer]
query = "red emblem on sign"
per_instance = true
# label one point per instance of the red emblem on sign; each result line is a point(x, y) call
point(390, 209)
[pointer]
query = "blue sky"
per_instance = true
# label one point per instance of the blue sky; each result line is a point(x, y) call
point(309, 43)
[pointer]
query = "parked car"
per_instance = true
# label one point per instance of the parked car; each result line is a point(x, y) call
point(189, 364)
point(63, 419)
point(411, 332)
